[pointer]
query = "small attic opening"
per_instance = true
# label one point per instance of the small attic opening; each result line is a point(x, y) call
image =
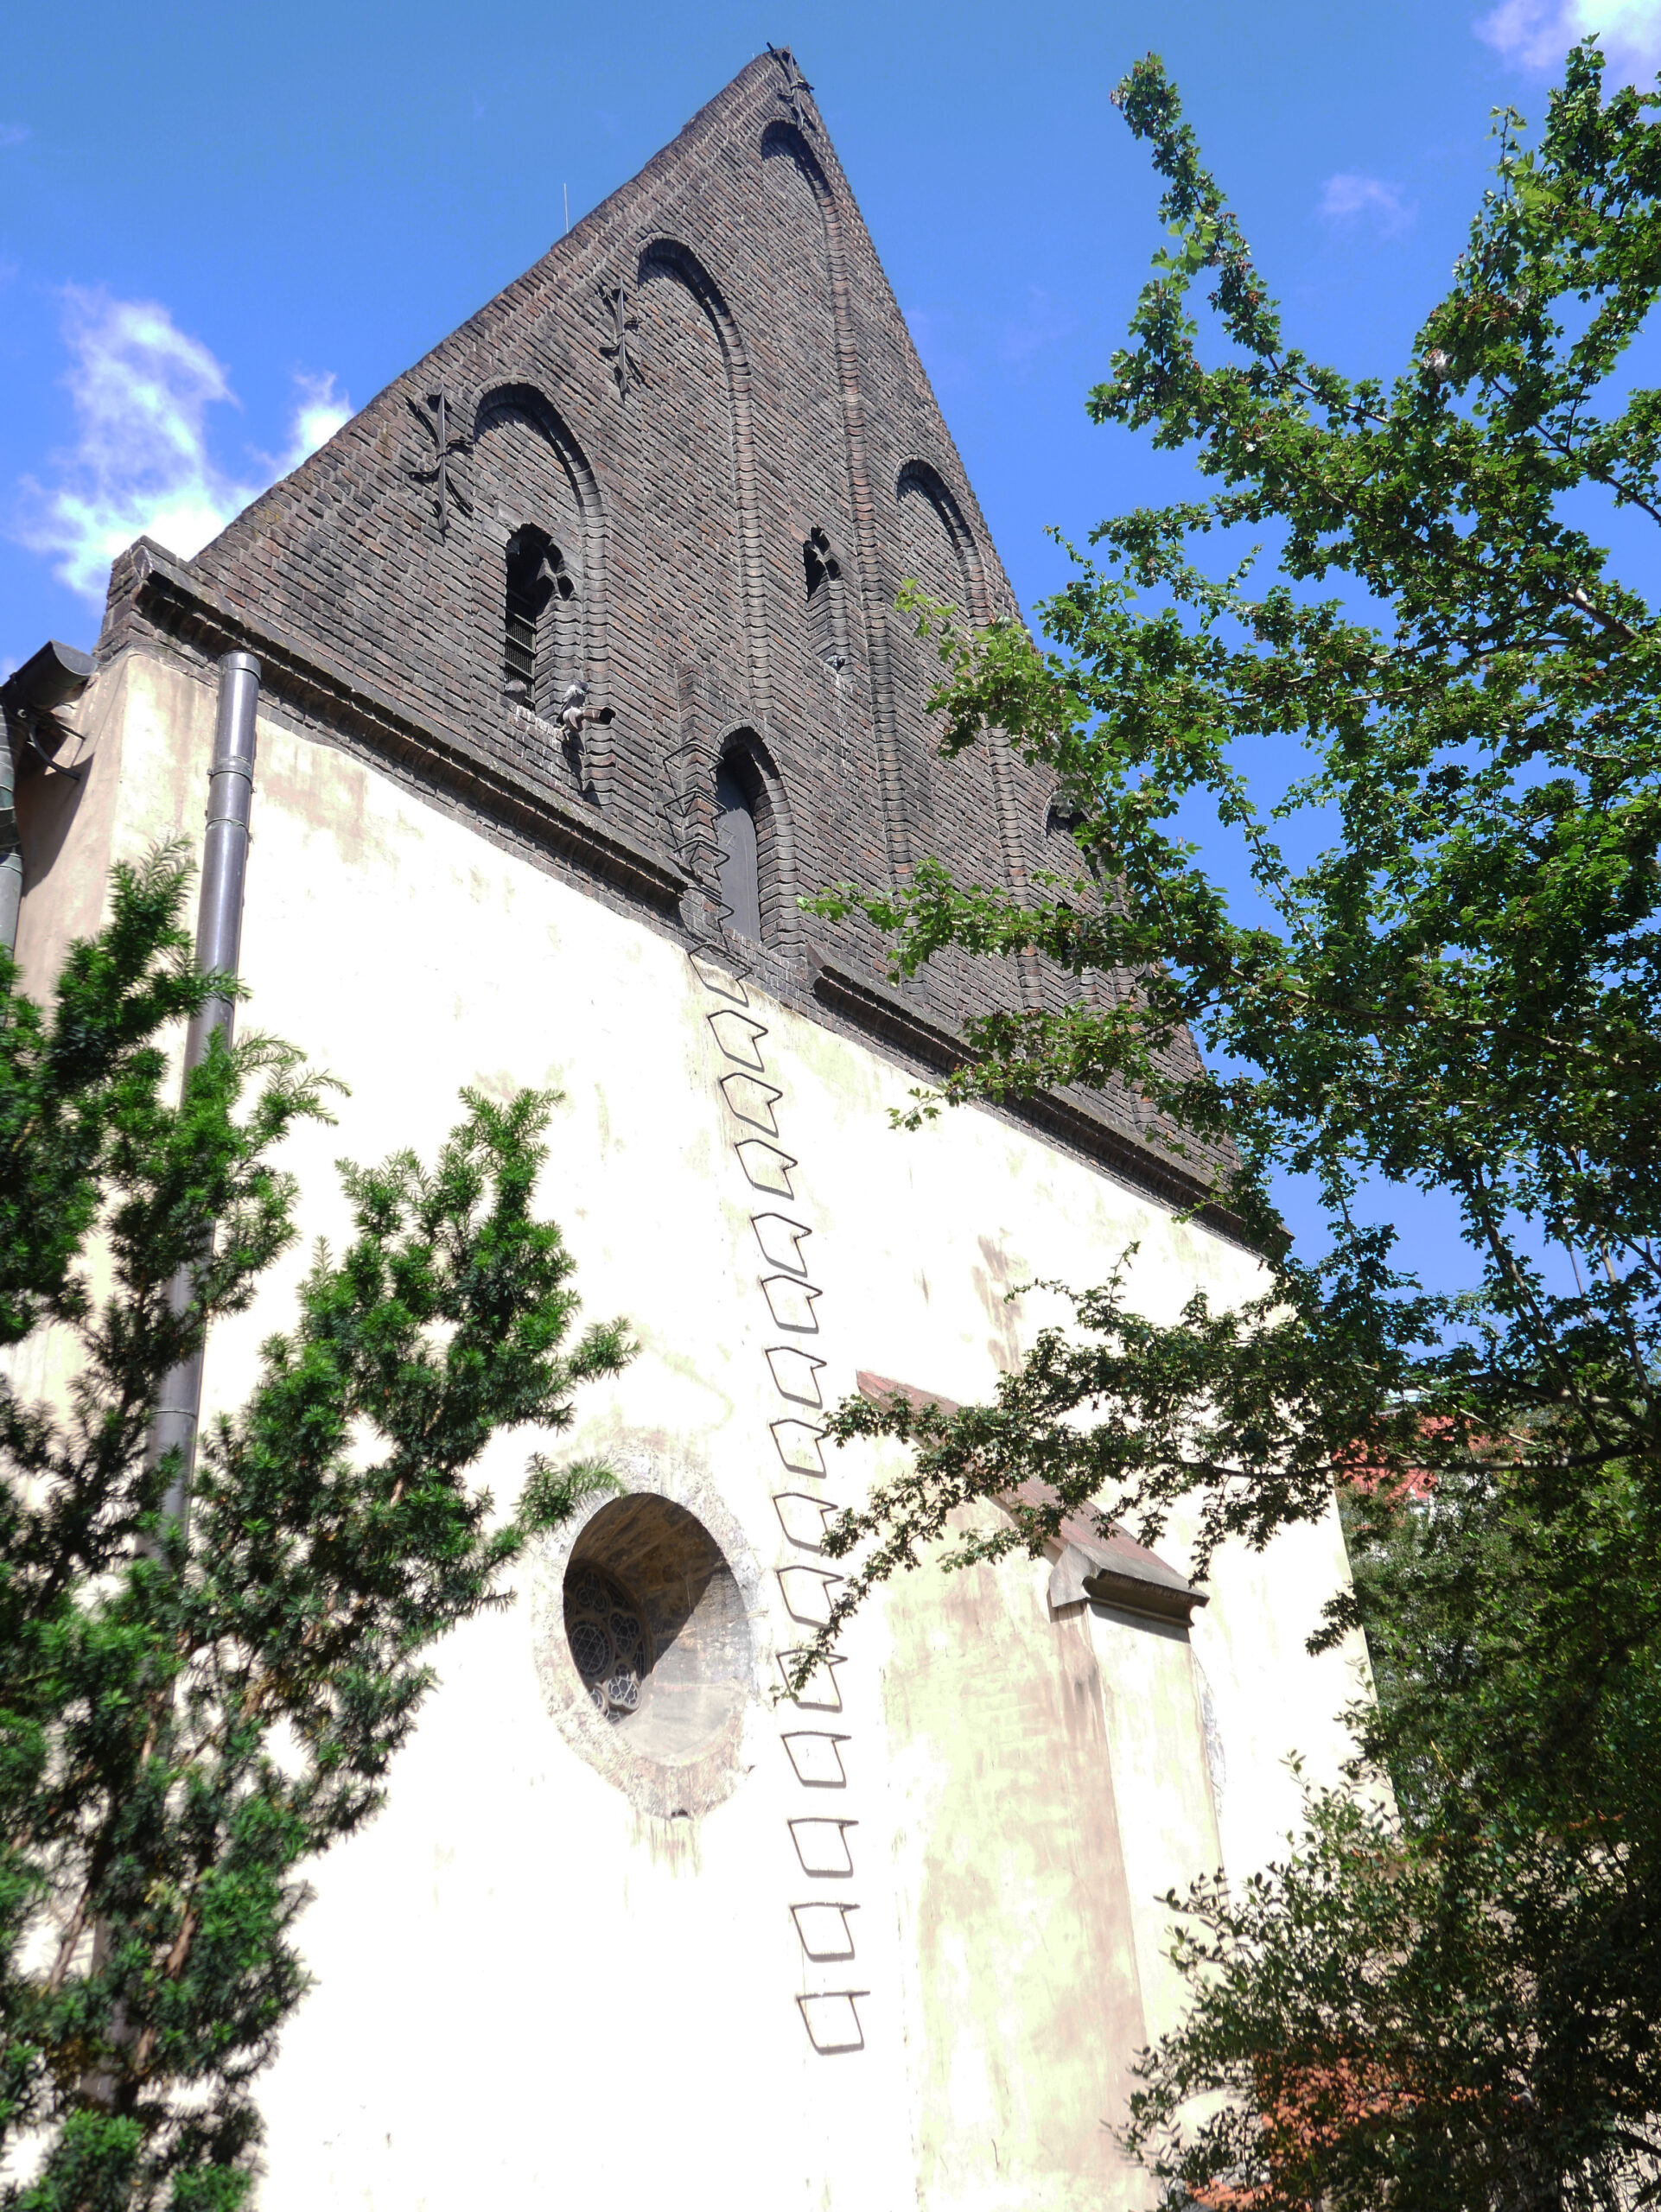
point(1063, 852)
point(536, 579)
point(827, 631)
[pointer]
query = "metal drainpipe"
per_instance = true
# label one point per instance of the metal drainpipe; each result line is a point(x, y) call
point(11, 853)
point(219, 943)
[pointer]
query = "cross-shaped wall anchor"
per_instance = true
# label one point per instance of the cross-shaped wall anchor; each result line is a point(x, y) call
point(796, 88)
point(627, 371)
point(447, 445)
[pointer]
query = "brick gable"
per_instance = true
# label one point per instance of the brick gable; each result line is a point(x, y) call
point(753, 395)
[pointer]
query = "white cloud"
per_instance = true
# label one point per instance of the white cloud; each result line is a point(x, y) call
point(1536, 33)
point(319, 412)
point(960, 350)
point(14, 134)
point(1348, 197)
point(140, 465)
point(322, 411)
point(1046, 321)
point(940, 346)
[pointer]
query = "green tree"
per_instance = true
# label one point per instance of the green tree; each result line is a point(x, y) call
point(187, 1719)
point(1447, 2004)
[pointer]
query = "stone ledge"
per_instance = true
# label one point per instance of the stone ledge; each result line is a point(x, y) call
point(878, 1008)
point(164, 591)
point(1088, 1562)
point(148, 585)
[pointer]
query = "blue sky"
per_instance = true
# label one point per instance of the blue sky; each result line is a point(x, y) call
point(220, 226)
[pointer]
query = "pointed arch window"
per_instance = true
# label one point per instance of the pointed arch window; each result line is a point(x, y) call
point(1064, 854)
point(827, 626)
point(536, 581)
point(738, 867)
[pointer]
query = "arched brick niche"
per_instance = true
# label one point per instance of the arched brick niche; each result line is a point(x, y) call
point(536, 490)
point(938, 546)
point(704, 423)
point(647, 1639)
point(933, 546)
point(802, 342)
point(790, 168)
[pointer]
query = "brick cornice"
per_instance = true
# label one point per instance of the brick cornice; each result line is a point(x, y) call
point(914, 1031)
point(152, 591)
point(163, 593)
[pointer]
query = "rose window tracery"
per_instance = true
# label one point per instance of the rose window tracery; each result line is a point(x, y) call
point(608, 1641)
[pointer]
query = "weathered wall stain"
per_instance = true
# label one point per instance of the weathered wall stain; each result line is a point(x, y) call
point(992, 1280)
point(1024, 1946)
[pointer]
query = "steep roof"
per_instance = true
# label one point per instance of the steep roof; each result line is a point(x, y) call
point(701, 418)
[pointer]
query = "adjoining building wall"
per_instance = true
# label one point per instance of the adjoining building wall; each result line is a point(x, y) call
point(896, 1944)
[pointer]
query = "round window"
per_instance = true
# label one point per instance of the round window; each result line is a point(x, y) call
point(646, 1620)
point(609, 1641)
point(658, 1632)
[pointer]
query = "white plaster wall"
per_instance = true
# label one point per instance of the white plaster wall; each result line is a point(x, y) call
point(1162, 1784)
point(528, 1992)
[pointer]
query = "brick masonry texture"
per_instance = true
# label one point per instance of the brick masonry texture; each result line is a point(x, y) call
point(765, 389)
